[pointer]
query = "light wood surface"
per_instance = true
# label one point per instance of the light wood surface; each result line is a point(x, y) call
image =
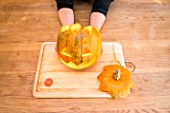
point(141, 26)
point(69, 83)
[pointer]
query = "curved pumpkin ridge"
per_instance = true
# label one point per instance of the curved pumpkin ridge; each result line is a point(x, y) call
point(75, 28)
point(99, 40)
point(117, 92)
point(92, 34)
point(106, 86)
point(64, 28)
point(104, 75)
point(89, 30)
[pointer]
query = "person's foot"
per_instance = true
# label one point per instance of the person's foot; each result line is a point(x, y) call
point(97, 19)
point(66, 16)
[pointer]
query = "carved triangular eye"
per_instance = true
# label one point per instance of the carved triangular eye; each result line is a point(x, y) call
point(65, 52)
point(86, 52)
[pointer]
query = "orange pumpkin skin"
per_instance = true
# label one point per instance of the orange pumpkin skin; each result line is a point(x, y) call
point(77, 47)
point(116, 88)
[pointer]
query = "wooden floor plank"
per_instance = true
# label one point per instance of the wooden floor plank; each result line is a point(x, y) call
point(142, 27)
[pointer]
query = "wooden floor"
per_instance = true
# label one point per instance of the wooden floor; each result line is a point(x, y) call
point(141, 26)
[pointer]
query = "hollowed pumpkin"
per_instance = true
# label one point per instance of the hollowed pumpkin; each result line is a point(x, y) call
point(78, 47)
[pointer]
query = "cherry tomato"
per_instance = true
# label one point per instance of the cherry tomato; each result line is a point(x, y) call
point(48, 82)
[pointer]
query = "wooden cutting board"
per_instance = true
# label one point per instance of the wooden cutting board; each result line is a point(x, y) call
point(69, 83)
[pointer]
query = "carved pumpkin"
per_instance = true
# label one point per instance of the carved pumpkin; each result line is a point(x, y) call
point(115, 80)
point(78, 47)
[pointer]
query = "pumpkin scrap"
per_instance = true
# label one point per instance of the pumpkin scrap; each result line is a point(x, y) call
point(116, 80)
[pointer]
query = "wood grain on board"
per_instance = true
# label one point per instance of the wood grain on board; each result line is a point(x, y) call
point(69, 83)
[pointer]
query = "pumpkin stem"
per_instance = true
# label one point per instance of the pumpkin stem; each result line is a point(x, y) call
point(117, 74)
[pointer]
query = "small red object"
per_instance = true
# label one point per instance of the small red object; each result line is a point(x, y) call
point(48, 82)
